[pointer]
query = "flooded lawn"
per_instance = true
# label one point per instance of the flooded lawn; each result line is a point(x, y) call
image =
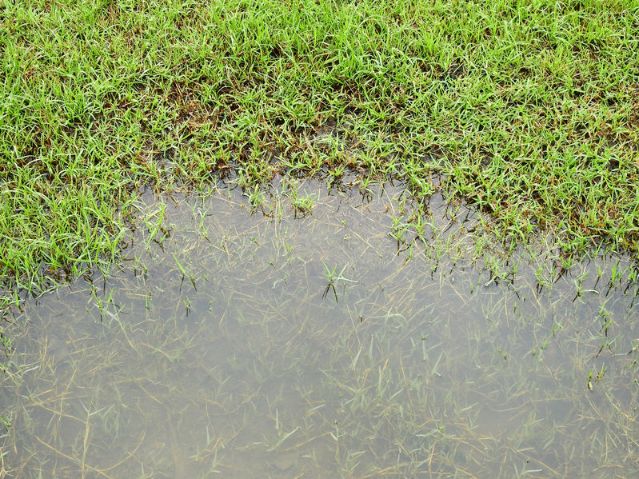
point(239, 345)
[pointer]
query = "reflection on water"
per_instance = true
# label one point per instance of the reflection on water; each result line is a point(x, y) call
point(243, 346)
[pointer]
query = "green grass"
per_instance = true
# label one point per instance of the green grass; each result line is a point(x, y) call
point(528, 110)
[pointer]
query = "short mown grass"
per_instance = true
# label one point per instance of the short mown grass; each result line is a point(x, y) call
point(527, 109)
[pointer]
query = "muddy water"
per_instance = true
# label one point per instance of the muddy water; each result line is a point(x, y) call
point(240, 345)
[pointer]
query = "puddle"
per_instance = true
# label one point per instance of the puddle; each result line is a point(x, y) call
point(242, 346)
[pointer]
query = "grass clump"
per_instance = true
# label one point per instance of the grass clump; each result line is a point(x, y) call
point(527, 110)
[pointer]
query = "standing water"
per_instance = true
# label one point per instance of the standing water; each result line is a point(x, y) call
point(243, 345)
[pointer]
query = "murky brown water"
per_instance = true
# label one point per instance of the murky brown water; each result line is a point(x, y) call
point(244, 346)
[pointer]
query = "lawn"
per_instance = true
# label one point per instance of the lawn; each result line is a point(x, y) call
point(527, 109)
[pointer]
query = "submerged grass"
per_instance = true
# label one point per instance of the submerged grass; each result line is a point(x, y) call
point(528, 110)
point(256, 371)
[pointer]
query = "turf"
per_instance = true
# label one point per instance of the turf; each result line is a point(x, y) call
point(527, 109)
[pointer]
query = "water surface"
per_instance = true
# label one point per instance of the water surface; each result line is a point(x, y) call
point(241, 345)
